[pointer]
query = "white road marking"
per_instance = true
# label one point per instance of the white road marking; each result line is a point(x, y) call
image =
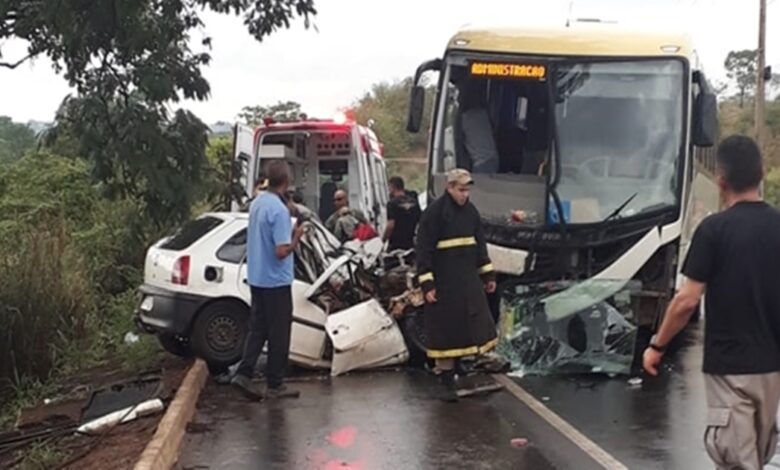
point(580, 440)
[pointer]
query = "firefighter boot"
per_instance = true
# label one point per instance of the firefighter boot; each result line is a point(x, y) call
point(448, 387)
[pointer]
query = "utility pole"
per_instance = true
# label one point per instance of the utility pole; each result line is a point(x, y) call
point(568, 16)
point(760, 84)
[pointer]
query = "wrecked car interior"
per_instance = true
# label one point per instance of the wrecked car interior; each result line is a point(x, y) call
point(348, 304)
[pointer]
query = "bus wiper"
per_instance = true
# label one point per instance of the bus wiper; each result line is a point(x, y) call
point(620, 208)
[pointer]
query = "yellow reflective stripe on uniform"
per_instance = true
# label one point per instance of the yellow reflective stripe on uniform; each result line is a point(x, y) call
point(426, 277)
point(456, 242)
point(470, 351)
point(486, 268)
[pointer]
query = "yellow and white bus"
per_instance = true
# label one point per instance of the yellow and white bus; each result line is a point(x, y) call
point(582, 142)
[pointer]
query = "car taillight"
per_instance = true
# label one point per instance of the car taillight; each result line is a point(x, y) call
point(181, 271)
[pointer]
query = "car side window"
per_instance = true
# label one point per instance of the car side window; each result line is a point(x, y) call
point(233, 250)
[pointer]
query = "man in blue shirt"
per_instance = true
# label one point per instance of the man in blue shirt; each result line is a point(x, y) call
point(271, 241)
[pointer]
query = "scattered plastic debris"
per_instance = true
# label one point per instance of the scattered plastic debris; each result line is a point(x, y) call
point(120, 396)
point(131, 338)
point(518, 442)
point(125, 415)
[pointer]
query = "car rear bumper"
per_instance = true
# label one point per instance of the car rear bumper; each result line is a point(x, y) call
point(161, 310)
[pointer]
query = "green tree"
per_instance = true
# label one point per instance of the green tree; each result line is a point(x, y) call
point(387, 104)
point(741, 68)
point(222, 186)
point(128, 61)
point(137, 151)
point(283, 111)
point(15, 140)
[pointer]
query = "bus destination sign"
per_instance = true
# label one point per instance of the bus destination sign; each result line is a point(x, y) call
point(508, 70)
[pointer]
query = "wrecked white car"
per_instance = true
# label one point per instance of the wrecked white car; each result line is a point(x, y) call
point(195, 297)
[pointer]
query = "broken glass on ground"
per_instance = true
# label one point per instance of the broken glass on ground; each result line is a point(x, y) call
point(569, 327)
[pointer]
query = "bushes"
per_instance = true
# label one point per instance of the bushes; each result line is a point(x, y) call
point(44, 288)
point(69, 263)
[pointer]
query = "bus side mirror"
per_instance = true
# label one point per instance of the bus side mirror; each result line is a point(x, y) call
point(416, 109)
point(705, 120)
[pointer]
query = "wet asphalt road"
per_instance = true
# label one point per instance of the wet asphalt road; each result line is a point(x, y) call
point(390, 420)
point(382, 420)
point(658, 425)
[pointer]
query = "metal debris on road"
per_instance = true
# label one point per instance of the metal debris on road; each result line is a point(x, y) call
point(569, 327)
point(635, 382)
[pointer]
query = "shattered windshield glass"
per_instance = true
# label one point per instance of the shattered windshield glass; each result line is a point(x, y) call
point(569, 327)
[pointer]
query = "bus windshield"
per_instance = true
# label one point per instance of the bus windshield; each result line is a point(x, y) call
point(618, 127)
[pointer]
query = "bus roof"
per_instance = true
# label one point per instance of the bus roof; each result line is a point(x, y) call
point(577, 40)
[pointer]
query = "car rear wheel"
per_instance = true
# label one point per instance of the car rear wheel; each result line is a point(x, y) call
point(175, 345)
point(219, 332)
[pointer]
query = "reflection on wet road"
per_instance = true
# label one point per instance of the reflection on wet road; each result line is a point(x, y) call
point(372, 421)
point(391, 420)
point(656, 425)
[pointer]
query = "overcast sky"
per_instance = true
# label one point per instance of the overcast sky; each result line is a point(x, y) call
point(360, 42)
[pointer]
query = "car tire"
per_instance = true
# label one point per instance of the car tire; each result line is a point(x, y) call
point(175, 345)
point(413, 330)
point(219, 332)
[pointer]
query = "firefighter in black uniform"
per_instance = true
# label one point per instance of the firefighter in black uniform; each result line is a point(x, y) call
point(455, 273)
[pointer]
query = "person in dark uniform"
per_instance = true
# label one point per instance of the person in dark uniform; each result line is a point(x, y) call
point(455, 272)
point(403, 214)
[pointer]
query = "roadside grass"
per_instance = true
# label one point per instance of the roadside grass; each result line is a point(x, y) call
point(103, 344)
point(41, 456)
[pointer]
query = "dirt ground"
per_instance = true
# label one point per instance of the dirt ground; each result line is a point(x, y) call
point(121, 446)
